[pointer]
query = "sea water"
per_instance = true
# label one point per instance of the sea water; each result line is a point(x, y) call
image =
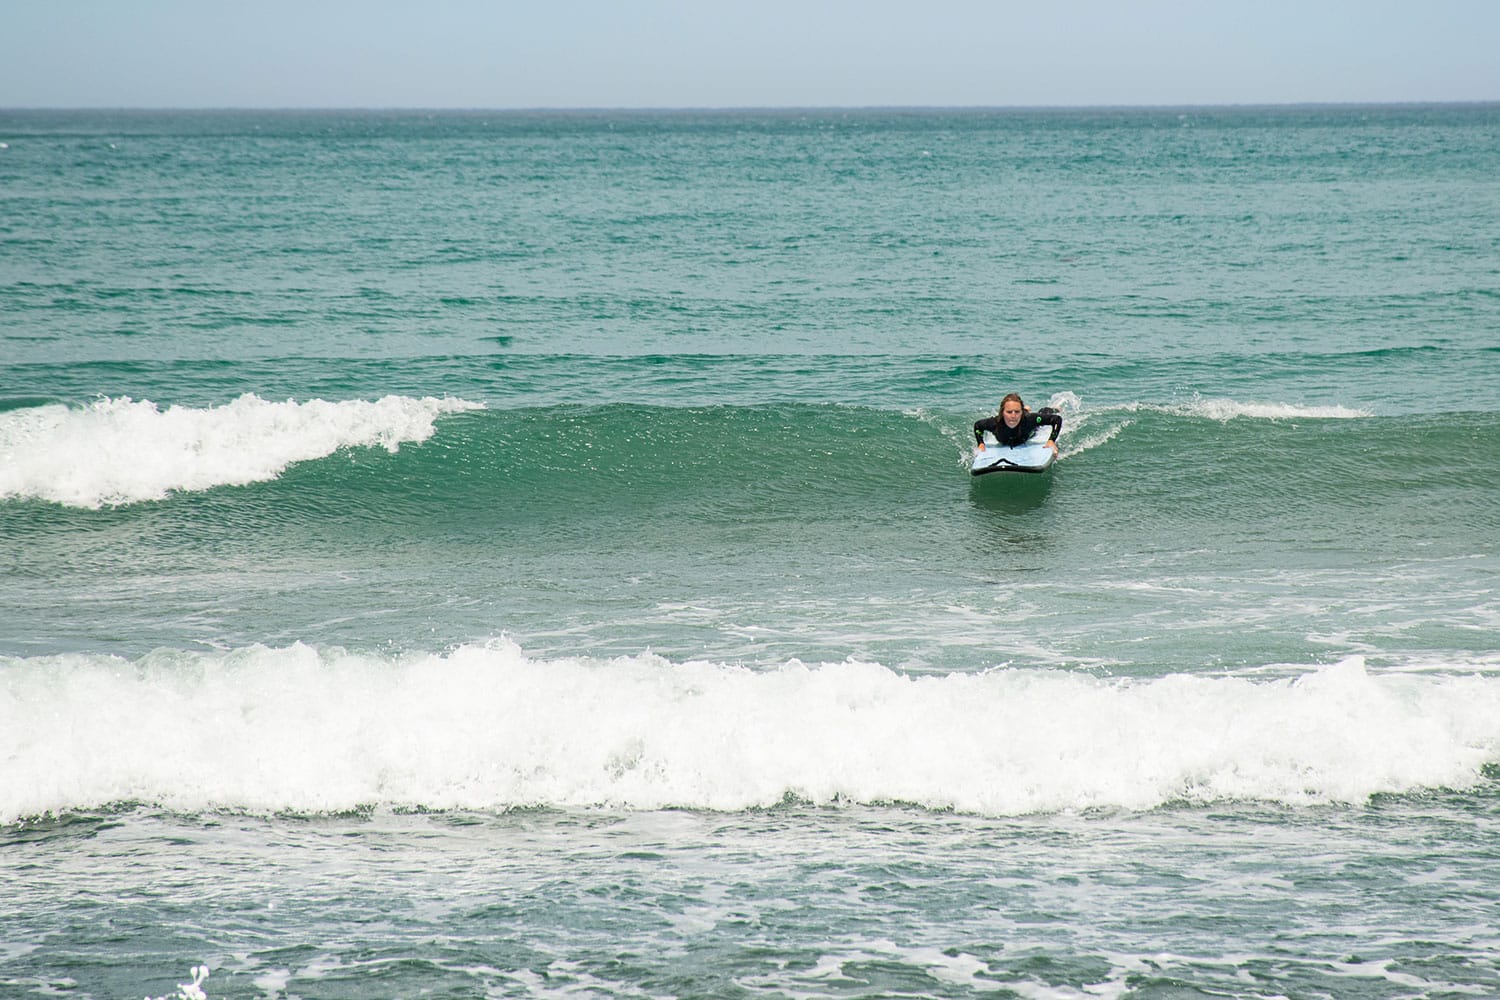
point(532, 554)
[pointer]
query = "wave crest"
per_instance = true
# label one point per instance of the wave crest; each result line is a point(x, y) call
point(120, 451)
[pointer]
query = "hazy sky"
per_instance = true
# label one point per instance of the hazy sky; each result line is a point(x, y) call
point(725, 53)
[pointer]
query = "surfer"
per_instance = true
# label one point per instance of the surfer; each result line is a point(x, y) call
point(1015, 424)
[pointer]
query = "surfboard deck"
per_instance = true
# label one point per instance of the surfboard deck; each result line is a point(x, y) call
point(1033, 456)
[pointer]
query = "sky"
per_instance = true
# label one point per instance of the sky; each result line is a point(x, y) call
point(727, 53)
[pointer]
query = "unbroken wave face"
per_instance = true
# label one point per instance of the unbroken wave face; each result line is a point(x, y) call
point(120, 451)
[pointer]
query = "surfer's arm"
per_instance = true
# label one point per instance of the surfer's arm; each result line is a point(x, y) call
point(1050, 417)
point(980, 426)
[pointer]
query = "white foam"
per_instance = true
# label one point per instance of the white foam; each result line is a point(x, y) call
point(1230, 409)
point(120, 450)
point(1080, 443)
point(487, 727)
point(192, 990)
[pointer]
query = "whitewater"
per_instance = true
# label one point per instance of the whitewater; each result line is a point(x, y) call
point(487, 727)
point(120, 450)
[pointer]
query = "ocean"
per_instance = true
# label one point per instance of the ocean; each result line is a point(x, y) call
point(532, 554)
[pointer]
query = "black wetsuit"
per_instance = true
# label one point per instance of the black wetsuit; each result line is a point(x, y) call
point(1022, 433)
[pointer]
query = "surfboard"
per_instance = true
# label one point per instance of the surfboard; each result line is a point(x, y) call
point(1033, 456)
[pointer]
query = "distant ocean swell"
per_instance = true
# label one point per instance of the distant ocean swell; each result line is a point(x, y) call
point(485, 726)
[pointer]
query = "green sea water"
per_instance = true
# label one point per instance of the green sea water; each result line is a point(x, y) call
point(522, 553)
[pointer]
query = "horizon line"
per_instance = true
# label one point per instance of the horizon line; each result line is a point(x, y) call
point(587, 108)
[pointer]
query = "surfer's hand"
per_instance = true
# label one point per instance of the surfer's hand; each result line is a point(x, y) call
point(1051, 444)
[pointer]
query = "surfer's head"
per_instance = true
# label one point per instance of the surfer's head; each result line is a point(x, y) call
point(1011, 409)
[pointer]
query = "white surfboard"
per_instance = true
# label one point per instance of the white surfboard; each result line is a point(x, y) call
point(1033, 456)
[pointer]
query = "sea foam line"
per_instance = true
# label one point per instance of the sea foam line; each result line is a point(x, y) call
point(119, 450)
point(488, 727)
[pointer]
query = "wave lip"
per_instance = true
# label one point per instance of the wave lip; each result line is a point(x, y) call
point(120, 450)
point(486, 727)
